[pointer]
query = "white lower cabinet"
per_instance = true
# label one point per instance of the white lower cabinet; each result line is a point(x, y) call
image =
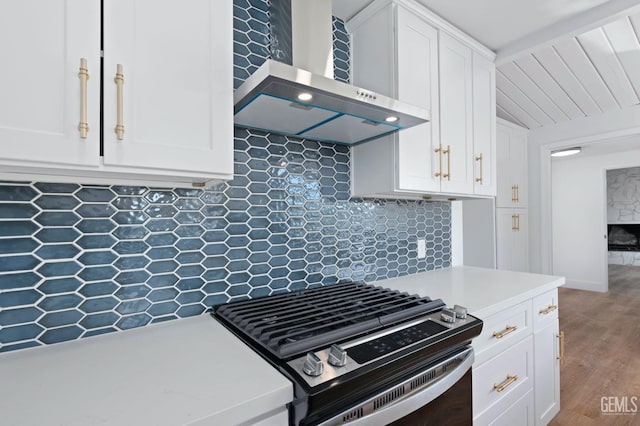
point(516, 376)
point(548, 352)
point(510, 372)
point(519, 413)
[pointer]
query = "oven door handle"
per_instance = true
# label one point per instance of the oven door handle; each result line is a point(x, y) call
point(405, 406)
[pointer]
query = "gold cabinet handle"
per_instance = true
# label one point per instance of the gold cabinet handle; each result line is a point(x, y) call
point(513, 193)
point(561, 357)
point(548, 309)
point(448, 152)
point(513, 222)
point(83, 74)
point(119, 80)
point(517, 222)
point(438, 151)
point(479, 179)
point(502, 386)
point(509, 329)
point(517, 194)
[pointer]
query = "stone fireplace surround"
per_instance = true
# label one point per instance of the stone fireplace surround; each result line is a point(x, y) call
point(623, 210)
point(624, 243)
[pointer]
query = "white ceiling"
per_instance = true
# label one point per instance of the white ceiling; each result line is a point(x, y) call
point(494, 23)
point(497, 23)
point(558, 60)
point(604, 147)
point(594, 72)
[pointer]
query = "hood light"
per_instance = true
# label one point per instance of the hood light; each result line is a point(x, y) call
point(305, 96)
point(566, 152)
point(391, 119)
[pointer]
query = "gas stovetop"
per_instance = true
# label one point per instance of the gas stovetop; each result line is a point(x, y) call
point(295, 323)
point(341, 343)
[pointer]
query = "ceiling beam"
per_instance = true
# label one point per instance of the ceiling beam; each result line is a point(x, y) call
point(570, 27)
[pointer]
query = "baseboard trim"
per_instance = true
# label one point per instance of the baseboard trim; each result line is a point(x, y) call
point(587, 285)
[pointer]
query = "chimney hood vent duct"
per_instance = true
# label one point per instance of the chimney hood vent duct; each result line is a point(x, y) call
point(300, 99)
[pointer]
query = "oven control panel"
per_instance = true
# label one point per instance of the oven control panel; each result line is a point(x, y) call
point(327, 364)
point(376, 348)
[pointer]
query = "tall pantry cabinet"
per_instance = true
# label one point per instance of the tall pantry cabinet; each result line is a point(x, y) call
point(512, 234)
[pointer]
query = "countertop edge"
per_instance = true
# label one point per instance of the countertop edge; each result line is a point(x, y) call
point(514, 300)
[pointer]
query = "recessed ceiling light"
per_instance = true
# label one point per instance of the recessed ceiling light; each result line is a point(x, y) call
point(566, 152)
point(305, 96)
point(391, 119)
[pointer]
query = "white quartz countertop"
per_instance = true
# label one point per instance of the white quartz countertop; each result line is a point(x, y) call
point(194, 371)
point(186, 371)
point(482, 291)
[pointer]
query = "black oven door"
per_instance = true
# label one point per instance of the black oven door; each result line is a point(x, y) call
point(439, 394)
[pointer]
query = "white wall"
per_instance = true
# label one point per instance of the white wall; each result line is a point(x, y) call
point(579, 215)
point(479, 233)
point(593, 130)
point(578, 212)
point(473, 233)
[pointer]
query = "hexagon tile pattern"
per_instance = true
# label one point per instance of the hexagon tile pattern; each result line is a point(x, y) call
point(341, 51)
point(250, 37)
point(251, 41)
point(82, 260)
point(77, 261)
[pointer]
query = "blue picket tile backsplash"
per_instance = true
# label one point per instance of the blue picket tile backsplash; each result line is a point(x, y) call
point(82, 260)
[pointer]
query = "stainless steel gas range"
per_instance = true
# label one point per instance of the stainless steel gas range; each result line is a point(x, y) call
point(361, 354)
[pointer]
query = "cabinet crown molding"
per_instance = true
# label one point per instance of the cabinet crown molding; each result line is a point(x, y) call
point(426, 14)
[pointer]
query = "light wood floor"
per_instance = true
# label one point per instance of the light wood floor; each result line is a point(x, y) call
point(602, 350)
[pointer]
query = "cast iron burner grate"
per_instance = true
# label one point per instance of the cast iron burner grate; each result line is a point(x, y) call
point(294, 323)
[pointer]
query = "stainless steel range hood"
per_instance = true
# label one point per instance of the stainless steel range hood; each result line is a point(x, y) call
point(288, 99)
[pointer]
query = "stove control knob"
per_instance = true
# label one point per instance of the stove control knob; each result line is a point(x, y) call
point(461, 311)
point(448, 315)
point(337, 356)
point(313, 365)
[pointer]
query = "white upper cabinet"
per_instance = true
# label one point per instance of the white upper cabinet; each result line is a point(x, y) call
point(167, 86)
point(456, 120)
point(512, 166)
point(484, 125)
point(394, 52)
point(400, 50)
point(417, 49)
point(41, 44)
point(173, 55)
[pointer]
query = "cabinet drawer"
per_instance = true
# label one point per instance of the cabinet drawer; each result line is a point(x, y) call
point(496, 379)
point(502, 330)
point(545, 309)
point(518, 413)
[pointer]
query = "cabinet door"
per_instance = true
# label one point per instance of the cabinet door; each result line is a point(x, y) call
point(484, 125)
point(547, 373)
point(505, 224)
point(511, 147)
point(417, 57)
point(41, 43)
point(176, 60)
point(512, 239)
point(518, 161)
point(519, 413)
point(456, 115)
point(504, 170)
point(520, 243)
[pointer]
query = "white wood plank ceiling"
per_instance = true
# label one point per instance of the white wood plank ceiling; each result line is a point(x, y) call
point(595, 72)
